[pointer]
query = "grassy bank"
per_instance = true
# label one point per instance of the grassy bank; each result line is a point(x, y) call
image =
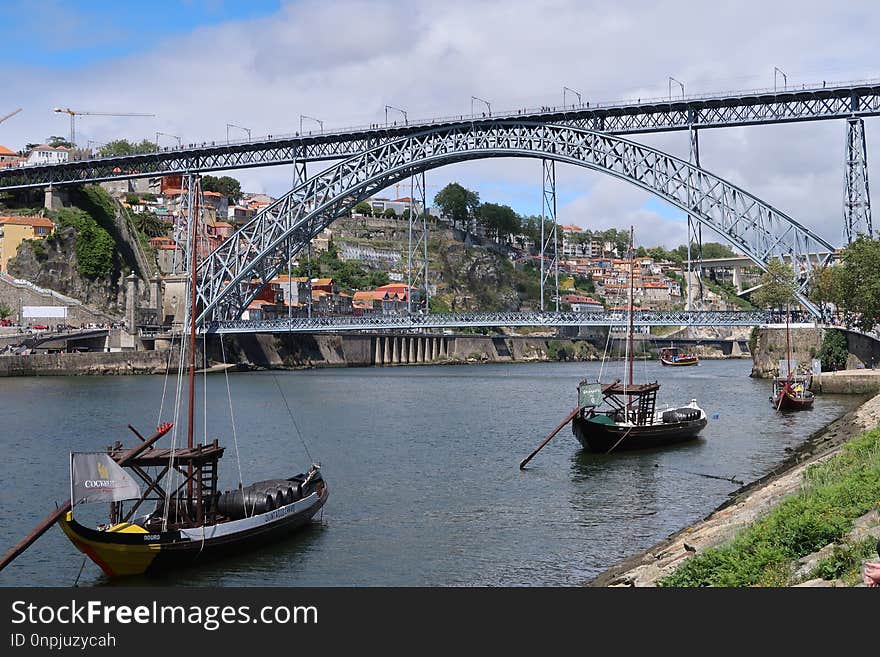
point(834, 494)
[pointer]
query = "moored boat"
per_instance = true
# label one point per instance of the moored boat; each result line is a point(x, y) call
point(672, 357)
point(791, 394)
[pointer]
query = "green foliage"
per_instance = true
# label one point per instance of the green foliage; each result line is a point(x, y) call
point(833, 495)
point(845, 560)
point(389, 213)
point(55, 141)
point(457, 203)
point(149, 197)
point(753, 339)
point(149, 224)
point(5, 310)
point(226, 185)
point(38, 247)
point(125, 147)
point(834, 350)
point(364, 208)
point(94, 245)
point(855, 282)
point(350, 276)
point(132, 198)
point(777, 286)
point(499, 220)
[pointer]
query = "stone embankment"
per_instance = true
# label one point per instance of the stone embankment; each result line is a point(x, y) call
point(745, 506)
point(118, 362)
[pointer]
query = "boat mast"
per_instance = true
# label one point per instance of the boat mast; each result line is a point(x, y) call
point(632, 267)
point(194, 220)
point(787, 342)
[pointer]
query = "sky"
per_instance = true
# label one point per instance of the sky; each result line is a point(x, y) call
point(201, 66)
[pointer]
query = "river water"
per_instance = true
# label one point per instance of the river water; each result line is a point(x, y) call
point(422, 464)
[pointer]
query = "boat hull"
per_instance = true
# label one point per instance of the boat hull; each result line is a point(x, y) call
point(601, 437)
point(680, 362)
point(787, 402)
point(126, 552)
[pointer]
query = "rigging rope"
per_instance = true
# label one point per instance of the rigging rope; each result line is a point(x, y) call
point(165, 381)
point(231, 413)
point(293, 419)
point(604, 355)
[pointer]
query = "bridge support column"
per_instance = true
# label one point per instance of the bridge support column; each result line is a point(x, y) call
point(435, 348)
point(386, 356)
point(377, 352)
point(856, 195)
point(395, 350)
point(412, 349)
point(549, 245)
point(420, 349)
point(737, 278)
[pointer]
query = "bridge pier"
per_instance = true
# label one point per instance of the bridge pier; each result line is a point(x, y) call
point(386, 353)
point(395, 350)
point(435, 349)
point(420, 356)
point(377, 351)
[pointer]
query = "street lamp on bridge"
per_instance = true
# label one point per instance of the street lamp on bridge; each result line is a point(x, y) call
point(776, 73)
point(390, 107)
point(564, 89)
point(680, 84)
point(311, 118)
point(232, 125)
point(173, 137)
point(486, 102)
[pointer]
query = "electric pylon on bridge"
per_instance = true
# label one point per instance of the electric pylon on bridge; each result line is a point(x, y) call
point(856, 195)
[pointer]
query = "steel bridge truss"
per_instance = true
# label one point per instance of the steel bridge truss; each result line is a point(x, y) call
point(470, 320)
point(856, 195)
point(233, 275)
point(724, 110)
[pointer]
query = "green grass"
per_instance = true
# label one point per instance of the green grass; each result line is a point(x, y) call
point(834, 494)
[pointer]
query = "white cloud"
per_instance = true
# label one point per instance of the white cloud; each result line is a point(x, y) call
point(342, 62)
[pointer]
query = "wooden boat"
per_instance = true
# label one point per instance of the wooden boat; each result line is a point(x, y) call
point(791, 394)
point(180, 516)
point(671, 356)
point(631, 419)
point(625, 415)
point(792, 391)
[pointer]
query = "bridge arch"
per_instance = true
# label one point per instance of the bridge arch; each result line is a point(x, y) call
point(259, 249)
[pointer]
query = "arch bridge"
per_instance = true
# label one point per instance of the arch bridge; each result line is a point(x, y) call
point(232, 276)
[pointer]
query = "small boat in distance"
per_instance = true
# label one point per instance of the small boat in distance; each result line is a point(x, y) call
point(791, 392)
point(672, 356)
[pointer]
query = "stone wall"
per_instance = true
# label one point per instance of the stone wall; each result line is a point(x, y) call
point(771, 348)
point(15, 295)
point(132, 362)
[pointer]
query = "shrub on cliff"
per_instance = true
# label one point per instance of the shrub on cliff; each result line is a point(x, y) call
point(94, 245)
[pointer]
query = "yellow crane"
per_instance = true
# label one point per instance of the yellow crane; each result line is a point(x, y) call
point(10, 115)
point(75, 113)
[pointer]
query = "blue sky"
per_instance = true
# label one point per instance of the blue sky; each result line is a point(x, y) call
point(65, 35)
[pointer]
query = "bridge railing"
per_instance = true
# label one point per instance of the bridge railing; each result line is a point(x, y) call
point(474, 320)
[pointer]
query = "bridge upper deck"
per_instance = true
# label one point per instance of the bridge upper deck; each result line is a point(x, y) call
point(620, 117)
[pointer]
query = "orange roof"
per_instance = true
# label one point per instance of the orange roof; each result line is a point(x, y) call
point(222, 224)
point(42, 222)
point(283, 278)
point(323, 281)
point(574, 229)
point(211, 194)
point(6, 151)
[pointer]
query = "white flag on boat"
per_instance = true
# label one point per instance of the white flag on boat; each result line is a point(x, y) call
point(96, 477)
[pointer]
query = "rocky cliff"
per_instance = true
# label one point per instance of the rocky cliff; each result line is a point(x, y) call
point(770, 348)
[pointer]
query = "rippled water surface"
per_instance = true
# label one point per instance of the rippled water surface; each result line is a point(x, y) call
point(422, 464)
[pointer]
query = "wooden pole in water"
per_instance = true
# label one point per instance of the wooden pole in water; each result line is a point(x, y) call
point(522, 464)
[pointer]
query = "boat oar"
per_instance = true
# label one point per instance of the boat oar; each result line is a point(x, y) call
point(58, 513)
point(522, 464)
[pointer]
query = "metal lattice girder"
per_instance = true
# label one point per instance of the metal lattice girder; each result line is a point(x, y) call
point(232, 276)
point(856, 195)
point(190, 190)
point(694, 232)
point(417, 245)
point(549, 241)
point(722, 110)
point(474, 320)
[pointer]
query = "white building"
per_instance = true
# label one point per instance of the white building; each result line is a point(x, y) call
point(45, 154)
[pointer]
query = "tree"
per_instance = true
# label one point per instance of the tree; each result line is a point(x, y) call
point(777, 286)
point(226, 185)
point(132, 199)
point(5, 311)
point(457, 203)
point(824, 284)
point(125, 147)
point(857, 281)
point(499, 220)
point(55, 141)
point(364, 208)
point(834, 351)
point(389, 213)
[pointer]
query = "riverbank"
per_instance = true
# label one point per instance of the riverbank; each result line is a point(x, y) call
point(745, 507)
point(314, 351)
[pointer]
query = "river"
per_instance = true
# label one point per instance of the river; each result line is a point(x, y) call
point(422, 464)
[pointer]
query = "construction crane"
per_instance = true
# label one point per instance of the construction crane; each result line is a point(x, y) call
point(10, 115)
point(75, 113)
